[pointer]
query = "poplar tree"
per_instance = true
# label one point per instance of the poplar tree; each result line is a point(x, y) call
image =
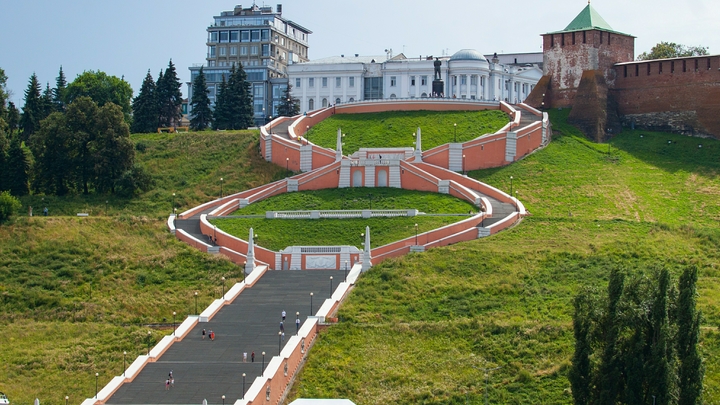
point(33, 108)
point(145, 107)
point(580, 371)
point(691, 372)
point(658, 364)
point(201, 114)
point(608, 376)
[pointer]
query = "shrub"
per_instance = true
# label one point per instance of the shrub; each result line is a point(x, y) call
point(8, 205)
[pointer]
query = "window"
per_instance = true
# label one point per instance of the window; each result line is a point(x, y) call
point(412, 80)
point(373, 88)
point(265, 49)
point(244, 36)
point(211, 51)
point(311, 82)
point(393, 81)
point(224, 36)
point(223, 51)
point(352, 100)
point(234, 36)
point(265, 36)
point(393, 95)
point(243, 50)
point(297, 83)
point(233, 51)
point(424, 95)
point(337, 100)
point(324, 82)
point(324, 102)
point(423, 80)
point(454, 80)
point(463, 79)
point(352, 81)
point(213, 37)
point(254, 50)
point(338, 82)
point(311, 104)
point(255, 36)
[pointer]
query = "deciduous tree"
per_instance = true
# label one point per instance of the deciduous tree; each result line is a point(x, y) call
point(691, 372)
point(112, 150)
point(666, 50)
point(51, 148)
point(102, 89)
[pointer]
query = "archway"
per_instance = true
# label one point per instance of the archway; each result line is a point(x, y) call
point(382, 178)
point(357, 178)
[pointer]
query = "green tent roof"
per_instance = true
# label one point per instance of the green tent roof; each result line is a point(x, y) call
point(588, 19)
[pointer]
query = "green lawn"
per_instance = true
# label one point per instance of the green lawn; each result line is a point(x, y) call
point(395, 129)
point(419, 329)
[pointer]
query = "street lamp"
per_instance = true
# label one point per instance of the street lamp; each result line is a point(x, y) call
point(196, 303)
point(311, 311)
point(96, 384)
point(455, 125)
point(243, 394)
point(223, 398)
point(173, 204)
point(463, 166)
point(482, 212)
point(307, 134)
point(279, 342)
point(346, 270)
point(271, 125)
point(244, 265)
point(223, 287)
point(511, 181)
point(331, 287)
point(297, 323)
point(124, 367)
point(262, 370)
point(287, 165)
point(221, 187)
point(66, 399)
point(174, 313)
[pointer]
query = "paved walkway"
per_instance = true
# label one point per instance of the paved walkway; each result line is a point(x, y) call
point(205, 369)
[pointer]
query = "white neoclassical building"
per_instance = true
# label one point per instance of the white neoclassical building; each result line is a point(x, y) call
point(467, 74)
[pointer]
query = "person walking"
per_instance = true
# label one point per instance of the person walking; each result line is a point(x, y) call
point(297, 325)
point(283, 315)
point(203, 334)
point(252, 357)
point(244, 357)
point(282, 327)
point(167, 384)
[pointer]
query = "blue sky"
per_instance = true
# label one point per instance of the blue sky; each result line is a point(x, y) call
point(126, 38)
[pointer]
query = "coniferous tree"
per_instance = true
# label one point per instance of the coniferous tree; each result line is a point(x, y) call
point(239, 97)
point(145, 110)
point(221, 115)
point(201, 115)
point(658, 363)
point(13, 118)
point(580, 371)
point(32, 111)
point(690, 374)
point(289, 105)
point(169, 97)
point(4, 146)
point(17, 168)
point(3, 95)
point(47, 102)
point(608, 376)
point(59, 91)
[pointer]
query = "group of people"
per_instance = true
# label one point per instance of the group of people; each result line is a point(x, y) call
point(211, 335)
point(170, 381)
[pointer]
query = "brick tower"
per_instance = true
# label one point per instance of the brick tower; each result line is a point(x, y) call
point(578, 69)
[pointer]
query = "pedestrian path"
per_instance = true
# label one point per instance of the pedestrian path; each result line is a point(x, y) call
point(207, 370)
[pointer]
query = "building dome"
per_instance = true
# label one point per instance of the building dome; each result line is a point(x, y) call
point(467, 54)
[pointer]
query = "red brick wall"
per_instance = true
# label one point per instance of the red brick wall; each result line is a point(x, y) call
point(565, 58)
point(672, 85)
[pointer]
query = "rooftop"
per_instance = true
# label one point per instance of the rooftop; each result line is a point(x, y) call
point(588, 19)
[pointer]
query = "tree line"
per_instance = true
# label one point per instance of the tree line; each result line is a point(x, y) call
point(638, 343)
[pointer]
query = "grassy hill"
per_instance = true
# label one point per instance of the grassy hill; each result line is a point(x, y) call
point(76, 292)
point(396, 128)
point(422, 328)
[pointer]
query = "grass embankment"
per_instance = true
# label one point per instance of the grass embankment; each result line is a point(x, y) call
point(277, 234)
point(421, 328)
point(395, 129)
point(77, 292)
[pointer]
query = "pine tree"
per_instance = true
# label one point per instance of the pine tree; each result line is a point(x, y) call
point(169, 97)
point(145, 110)
point(33, 108)
point(221, 115)
point(17, 168)
point(13, 118)
point(239, 99)
point(47, 102)
point(201, 115)
point(691, 372)
point(289, 105)
point(59, 91)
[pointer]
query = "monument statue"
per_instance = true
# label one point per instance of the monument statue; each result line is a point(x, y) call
point(437, 64)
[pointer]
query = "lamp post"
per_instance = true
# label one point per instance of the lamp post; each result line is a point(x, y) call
point(174, 313)
point(243, 394)
point(287, 165)
point(279, 342)
point(297, 323)
point(307, 134)
point(463, 166)
point(66, 399)
point(416, 234)
point(482, 212)
point(331, 286)
point(511, 184)
point(346, 270)
point(196, 303)
point(221, 187)
point(486, 370)
point(262, 370)
point(124, 367)
point(455, 139)
point(223, 398)
point(106, 209)
point(223, 287)
point(244, 264)
point(311, 312)
point(370, 198)
point(173, 203)
point(96, 384)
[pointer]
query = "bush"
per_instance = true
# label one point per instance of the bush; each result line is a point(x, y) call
point(134, 181)
point(8, 205)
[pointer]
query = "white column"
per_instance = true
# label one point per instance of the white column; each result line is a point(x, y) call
point(456, 90)
point(467, 87)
